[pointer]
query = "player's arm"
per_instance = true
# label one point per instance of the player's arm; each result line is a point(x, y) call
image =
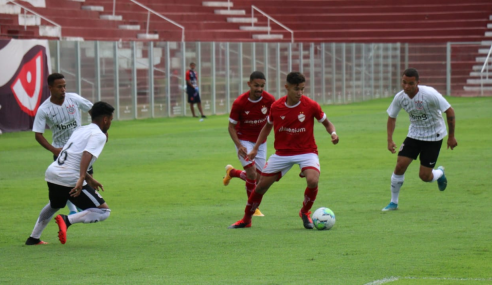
point(265, 131)
point(390, 129)
point(241, 150)
point(93, 182)
point(44, 143)
point(452, 143)
point(84, 165)
point(330, 128)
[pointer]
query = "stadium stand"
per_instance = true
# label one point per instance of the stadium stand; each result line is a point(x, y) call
point(427, 24)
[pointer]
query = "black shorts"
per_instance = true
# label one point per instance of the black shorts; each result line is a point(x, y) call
point(90, 170)
point(88, 198)
point(428, 151)
point(193, 95)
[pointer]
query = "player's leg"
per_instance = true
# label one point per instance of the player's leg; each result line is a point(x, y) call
point(428, 159)
point(192, 108)
point(58, 196)
point(310, 169)
point(277, 167)
point(94, 208)
point(409, 151)
point(71, 207)
point(198, 100)
point(249, 166)
point(44, 218)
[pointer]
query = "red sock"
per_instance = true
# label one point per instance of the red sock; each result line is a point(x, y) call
point(238, 173)
point(250, 186)
point(309, 198)
point(254, 201)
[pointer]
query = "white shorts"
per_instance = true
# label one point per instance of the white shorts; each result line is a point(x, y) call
point(260, 156)
point(282, 164)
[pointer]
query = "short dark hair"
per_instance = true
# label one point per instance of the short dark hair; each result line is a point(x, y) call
point(411, 72)
point(257, 75)
point(100, 109)
point(295, 78)
point(192, 63)
point(54, 76)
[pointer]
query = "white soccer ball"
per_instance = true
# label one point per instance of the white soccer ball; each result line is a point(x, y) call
point(323, 218)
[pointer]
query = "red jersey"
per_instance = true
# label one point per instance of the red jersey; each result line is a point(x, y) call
point(293, 126)
point(250, 116)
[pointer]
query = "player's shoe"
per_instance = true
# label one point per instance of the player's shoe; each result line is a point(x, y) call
point(62, 228)
point(306, 220)
point(228, 177)
point(72, 212)
point(34, 241)
point(391, 207)
point(239, 225)
point(442, 182)
point(258, 213)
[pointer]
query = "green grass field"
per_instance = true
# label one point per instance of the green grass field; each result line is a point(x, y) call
point(170, 211)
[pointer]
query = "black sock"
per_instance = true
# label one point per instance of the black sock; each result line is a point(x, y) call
point(67, 222)
point(32, 241)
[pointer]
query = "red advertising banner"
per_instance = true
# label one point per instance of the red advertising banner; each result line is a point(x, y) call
point(24, 67)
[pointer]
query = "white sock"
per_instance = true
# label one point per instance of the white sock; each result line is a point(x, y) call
point(396, 183)
point(44, 218)
point(91, 215)
point(437, 173)
point(71, 207)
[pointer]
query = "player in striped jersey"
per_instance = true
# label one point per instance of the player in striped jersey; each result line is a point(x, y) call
point(248, 116)
point(427, 130)
point(61, 113)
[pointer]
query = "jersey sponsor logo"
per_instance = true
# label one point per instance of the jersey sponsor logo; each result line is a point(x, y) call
point(28, 84)
point(72, 124)
point(247, 112)
point(264, 110)
point(419, 116)
point(255, 122)
point(71, 109)
point(292, 130)
point(301, 117)
point(419, 105)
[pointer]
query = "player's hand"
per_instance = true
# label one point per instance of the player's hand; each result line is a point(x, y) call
point(196, 89)
point(94, 184)
point(334, 138)
point(57, 151)
point(242, 152)
point(78, 188)
point(252, 154)
point(452, 143)
point(392, 146)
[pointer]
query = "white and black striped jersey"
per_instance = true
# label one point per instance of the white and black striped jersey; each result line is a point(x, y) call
point(65, 170)
point(425, 113)
point(62, 120)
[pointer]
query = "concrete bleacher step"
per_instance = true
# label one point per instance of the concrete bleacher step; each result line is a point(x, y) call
point(10, 9)
point(268, 37)
point(256, 28)
point(217, 4)
point(242, 20)
point(479, 81)
point(148, 36)
point(230, 12)
point(93, 8)
point(477, 88)
point(111, 17)
point(129, 27)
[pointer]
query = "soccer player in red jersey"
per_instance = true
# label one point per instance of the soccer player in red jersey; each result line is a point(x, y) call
point(248, 116)
point(292, 118)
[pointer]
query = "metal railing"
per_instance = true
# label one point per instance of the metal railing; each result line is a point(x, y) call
point(161, 16)
point(485, 69)
point(253, 8)
point(39, 15)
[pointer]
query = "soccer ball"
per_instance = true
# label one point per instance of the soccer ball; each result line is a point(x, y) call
point(323, 219)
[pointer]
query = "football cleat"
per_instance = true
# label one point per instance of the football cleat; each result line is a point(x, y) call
point(34, 241)
point(228, 177)
point(306, 220)
point(62, 228)
point(258, 213)
point(442, 182)
point(391, 207)
point(239, 225)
